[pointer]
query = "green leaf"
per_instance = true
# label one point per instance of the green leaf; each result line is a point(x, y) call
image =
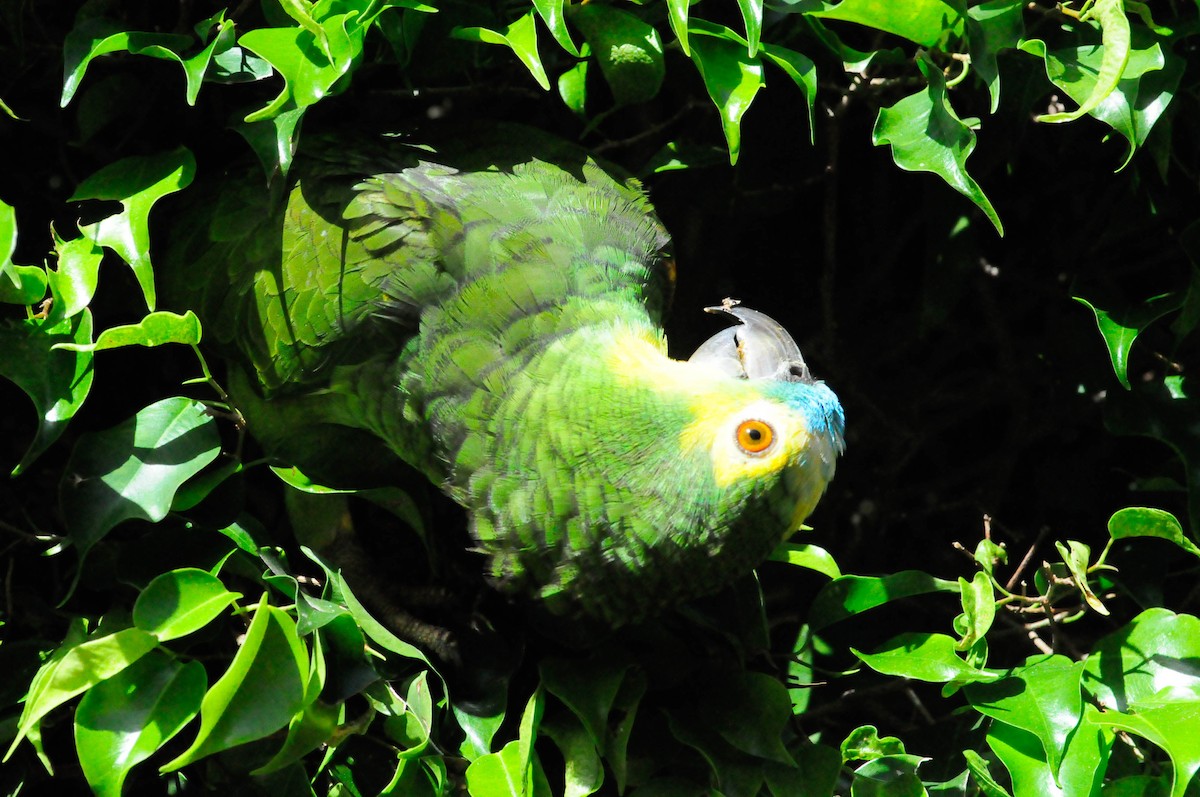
point(73, 283)
point(864, 743)
point(1120, 328)
point(134, 469)
point(979, 608)
point(122, 721)
point(731, 77)
point(1114, 26)
point(812, 557)
point(629, 52)
point(137, 183)
point(76, 667)
point(1041, 697)
point(520, 37)
point(803, 72)
point(1077, 557)
point(924, 657)
point(583, 768)
point(572, 87)
point(372, 627)
point(96, 36)
point(308, 730)
point(311, 60)
point(273, 140)
point(982, 775)
point(1169, 721)
point(847, 596)
point(154, 329)
point(179, 602)
point(677, 16)
point(752, 16)
point(57, 382)
point(1140, 521)
point(1084, 759)
point(992, 27)
point(260, 692)
point(889, 776)
point(588, 687)
point(514, 771)
point(925, 22)
point(18, 284)
point(1155, 651)
point(927, 136)
point(551, 12)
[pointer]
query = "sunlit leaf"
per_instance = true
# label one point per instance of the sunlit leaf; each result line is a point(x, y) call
point(731, 77)
point(1084, 758)
point(992, 27)
point(73, 283)
point(847, 596)
point(1138, 521)
point(982, 776)
point(122, 721)
point(520, 37)
point(1115, 48)
point(803, 72)
point(1122, 326)
point(137, 183)
point(927, 136)
point(923, 21)
point(924, 657)
point(1169, 721)
point(979, 608)
point(57, 382)
point(864, 743)
point(1077, 557)
point(134, 469)
point(889, 776)
point(1156, 651)
point(812, 557)
point(155, 329)
point(551, 12)
point(76, 667)
point(181, 601)
point(260, 692)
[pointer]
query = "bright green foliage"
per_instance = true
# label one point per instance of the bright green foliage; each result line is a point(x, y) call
point(869, 656)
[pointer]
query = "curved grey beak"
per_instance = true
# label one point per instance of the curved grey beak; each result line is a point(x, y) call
point(759, 348)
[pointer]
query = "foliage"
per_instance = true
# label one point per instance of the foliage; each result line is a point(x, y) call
point(164, 627)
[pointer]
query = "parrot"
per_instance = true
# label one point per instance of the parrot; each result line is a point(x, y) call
point(485, 306)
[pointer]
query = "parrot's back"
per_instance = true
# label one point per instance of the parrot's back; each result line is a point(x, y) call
point(488, 311)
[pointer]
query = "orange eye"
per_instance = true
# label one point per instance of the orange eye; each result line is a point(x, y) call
point(754, 437)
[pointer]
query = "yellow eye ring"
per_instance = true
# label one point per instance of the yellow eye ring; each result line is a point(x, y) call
point(754, 437)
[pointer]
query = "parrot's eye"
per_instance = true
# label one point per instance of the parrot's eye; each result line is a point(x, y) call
point(754, 437)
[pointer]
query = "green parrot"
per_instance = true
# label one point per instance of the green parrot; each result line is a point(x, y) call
point(487, 310)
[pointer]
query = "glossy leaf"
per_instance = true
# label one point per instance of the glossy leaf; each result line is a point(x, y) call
point(311, 60)
point(1084, 758)
point(752, 17)
point(1120, 328)
point(122, 721)
point(1115, 48)
point(923, 21)
point(924, 657)
point(731, 77)
point(812, 557)
point(1041, 697)
point(514, 771)
point(57, 382)
point(1156, 651)
point(134, 469)
point(979, 608)
point(96, 36)
point(308, 730)
point(864, 743)
point(982, 776)
point(137, 183)
point(375, 630)
point(18, 284)
point(889, 776)
point(847, 596)
point(520, 37)
point(584, 770)
point(75, 668)
point(1140, 521)
point(179, 602)
point(801, 69)
point(629, 52)
point(260, 692)
point(677, 16)
point(551, 12)
point(74, 282)
point(927, 136)
point(155, 329)
point(992, 27)
point(1169, 721)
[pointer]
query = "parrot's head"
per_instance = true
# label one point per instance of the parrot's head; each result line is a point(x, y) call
point(767, 428)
